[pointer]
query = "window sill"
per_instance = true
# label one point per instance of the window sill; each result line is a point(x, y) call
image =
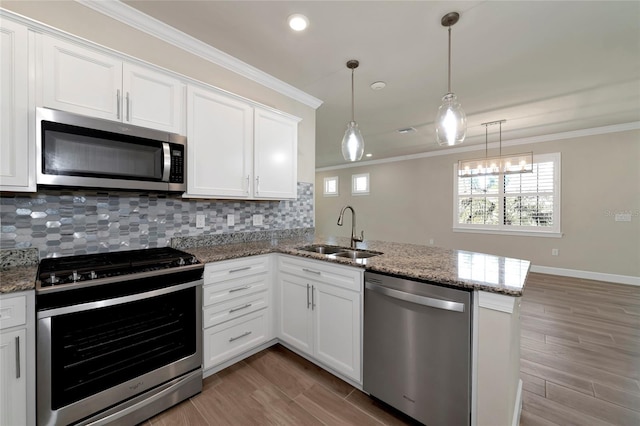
point(544, 234)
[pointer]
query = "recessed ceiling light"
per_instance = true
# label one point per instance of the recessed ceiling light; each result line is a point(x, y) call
point(406, 130)
point(378, 85)
point(368, 155)
point(298, 22)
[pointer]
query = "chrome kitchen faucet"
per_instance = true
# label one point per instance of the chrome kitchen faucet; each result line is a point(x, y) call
point(354, 237)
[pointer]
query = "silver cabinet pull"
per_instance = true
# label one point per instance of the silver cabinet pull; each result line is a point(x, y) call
point(127, 98)
point(313, 298)
point(17, 357)
point(118, 104)
point(257, 185)
point(308, 301)
point(239, 269)
point(311, 271)
point(246, 333)
point(248, 305)
point(233, 290)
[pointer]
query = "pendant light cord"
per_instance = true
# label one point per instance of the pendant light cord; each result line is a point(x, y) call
point(449, 77)
point(353, 117)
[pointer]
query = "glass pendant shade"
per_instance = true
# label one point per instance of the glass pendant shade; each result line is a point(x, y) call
point(352, 143)
point(451, 121)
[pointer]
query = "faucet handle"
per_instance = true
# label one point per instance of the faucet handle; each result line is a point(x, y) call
point(360, 238)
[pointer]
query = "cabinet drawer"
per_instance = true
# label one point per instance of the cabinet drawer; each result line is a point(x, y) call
point(229, 339)
point(220, 271)
point(341, 276)
point(217, 314)
point(13, 311)
point(231, 289)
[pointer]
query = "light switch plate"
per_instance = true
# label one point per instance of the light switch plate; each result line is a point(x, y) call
point(199, 221)
point(230, 220)
point(257, 220)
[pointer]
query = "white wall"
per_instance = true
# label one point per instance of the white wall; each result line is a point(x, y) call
point(412, 202)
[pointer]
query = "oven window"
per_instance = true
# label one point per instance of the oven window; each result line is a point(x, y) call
point(97, 349)
point(76, 151)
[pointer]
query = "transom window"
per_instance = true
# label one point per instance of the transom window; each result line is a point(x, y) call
point(331, 186)
point(360, 184)
point(516, 203)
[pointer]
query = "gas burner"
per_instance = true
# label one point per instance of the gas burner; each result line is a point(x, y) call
point(91, 269)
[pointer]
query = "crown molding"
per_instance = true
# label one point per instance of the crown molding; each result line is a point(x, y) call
point(145, 23)
point(615, 128)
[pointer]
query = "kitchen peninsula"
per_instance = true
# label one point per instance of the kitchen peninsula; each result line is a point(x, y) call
point(495, 282)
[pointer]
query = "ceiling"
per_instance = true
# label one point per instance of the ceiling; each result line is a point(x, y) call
point(545, 67)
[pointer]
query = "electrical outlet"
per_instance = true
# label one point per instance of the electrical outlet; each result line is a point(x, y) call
point(554, 252)
point(257, 220)
point(200, 221)
point(431, 241)
point(230, 220)
point(623, 217)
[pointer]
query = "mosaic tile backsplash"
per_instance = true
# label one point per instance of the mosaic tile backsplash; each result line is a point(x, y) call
point(63, 223)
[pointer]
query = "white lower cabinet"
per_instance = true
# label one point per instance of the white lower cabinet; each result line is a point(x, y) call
point(236, 308)
point(17, 359)
point(320, 309)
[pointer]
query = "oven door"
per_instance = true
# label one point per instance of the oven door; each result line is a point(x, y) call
point(97, 354)
point(83, 151)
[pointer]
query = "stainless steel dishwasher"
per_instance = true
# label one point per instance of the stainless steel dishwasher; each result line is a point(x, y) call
point(417, 348)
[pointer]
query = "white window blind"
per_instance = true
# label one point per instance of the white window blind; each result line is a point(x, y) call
point(515, 203)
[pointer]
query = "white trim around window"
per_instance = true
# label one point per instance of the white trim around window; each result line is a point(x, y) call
point(360, 184)
point(497, 192)
point(331, 186)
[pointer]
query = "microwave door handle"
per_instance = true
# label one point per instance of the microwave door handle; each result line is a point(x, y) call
point(167, 162)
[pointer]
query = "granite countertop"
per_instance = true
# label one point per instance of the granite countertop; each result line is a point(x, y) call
point(456, 268)
point(18, 278)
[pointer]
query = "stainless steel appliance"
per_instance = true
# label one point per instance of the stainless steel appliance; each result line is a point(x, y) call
point(74, 150)
point(417, 348)
point(119, 335)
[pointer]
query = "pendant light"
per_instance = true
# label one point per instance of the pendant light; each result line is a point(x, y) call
point(352, 142)
point(451, 122)
point(501, 164)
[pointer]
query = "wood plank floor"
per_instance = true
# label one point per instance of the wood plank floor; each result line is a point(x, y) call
point(580, 365)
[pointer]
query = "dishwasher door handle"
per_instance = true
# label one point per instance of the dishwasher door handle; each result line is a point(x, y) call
point(447, 305)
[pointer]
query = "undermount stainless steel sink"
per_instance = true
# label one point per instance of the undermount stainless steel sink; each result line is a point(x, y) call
point(337, 251)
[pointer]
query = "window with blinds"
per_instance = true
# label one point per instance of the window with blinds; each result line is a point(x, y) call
point(514, 203)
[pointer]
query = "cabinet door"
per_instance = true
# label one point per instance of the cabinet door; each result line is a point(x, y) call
point(152, 99)
point(276, 155)
point(295, 321)
point(220, 135)
point(81, 80)
point(337, 329)
point(13, 382)
point(16, 169)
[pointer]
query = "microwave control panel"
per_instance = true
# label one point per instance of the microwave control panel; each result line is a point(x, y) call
point(176, 174)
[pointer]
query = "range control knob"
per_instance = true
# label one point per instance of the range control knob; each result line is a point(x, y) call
point(194, 260)
point(93, 275)
point(181, 262)
point(74, 276)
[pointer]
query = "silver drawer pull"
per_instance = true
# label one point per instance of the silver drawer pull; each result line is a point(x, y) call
point(233, 290)
point(239, 269)
point(248, 305)
point(17, 357)
point(246, 333)
point(311, 271)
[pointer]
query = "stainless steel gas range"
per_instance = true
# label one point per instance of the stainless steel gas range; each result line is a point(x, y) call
point(118, 335)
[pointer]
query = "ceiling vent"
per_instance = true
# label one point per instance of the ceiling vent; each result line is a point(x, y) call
point(406, 130)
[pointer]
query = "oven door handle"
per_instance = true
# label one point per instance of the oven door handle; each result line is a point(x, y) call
point(115, 301)
point(166, 167)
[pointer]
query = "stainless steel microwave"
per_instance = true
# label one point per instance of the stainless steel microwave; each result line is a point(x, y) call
point(79, 151)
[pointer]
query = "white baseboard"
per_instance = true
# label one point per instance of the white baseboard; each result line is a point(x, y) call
point(588, 275)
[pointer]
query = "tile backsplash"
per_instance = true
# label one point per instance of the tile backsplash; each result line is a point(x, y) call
point(62, 223)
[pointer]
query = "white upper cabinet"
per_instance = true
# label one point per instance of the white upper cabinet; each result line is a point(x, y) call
point(220, 138)
point(16, 170)
point(89, 82)
point(276, 155)
point(239, 150)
